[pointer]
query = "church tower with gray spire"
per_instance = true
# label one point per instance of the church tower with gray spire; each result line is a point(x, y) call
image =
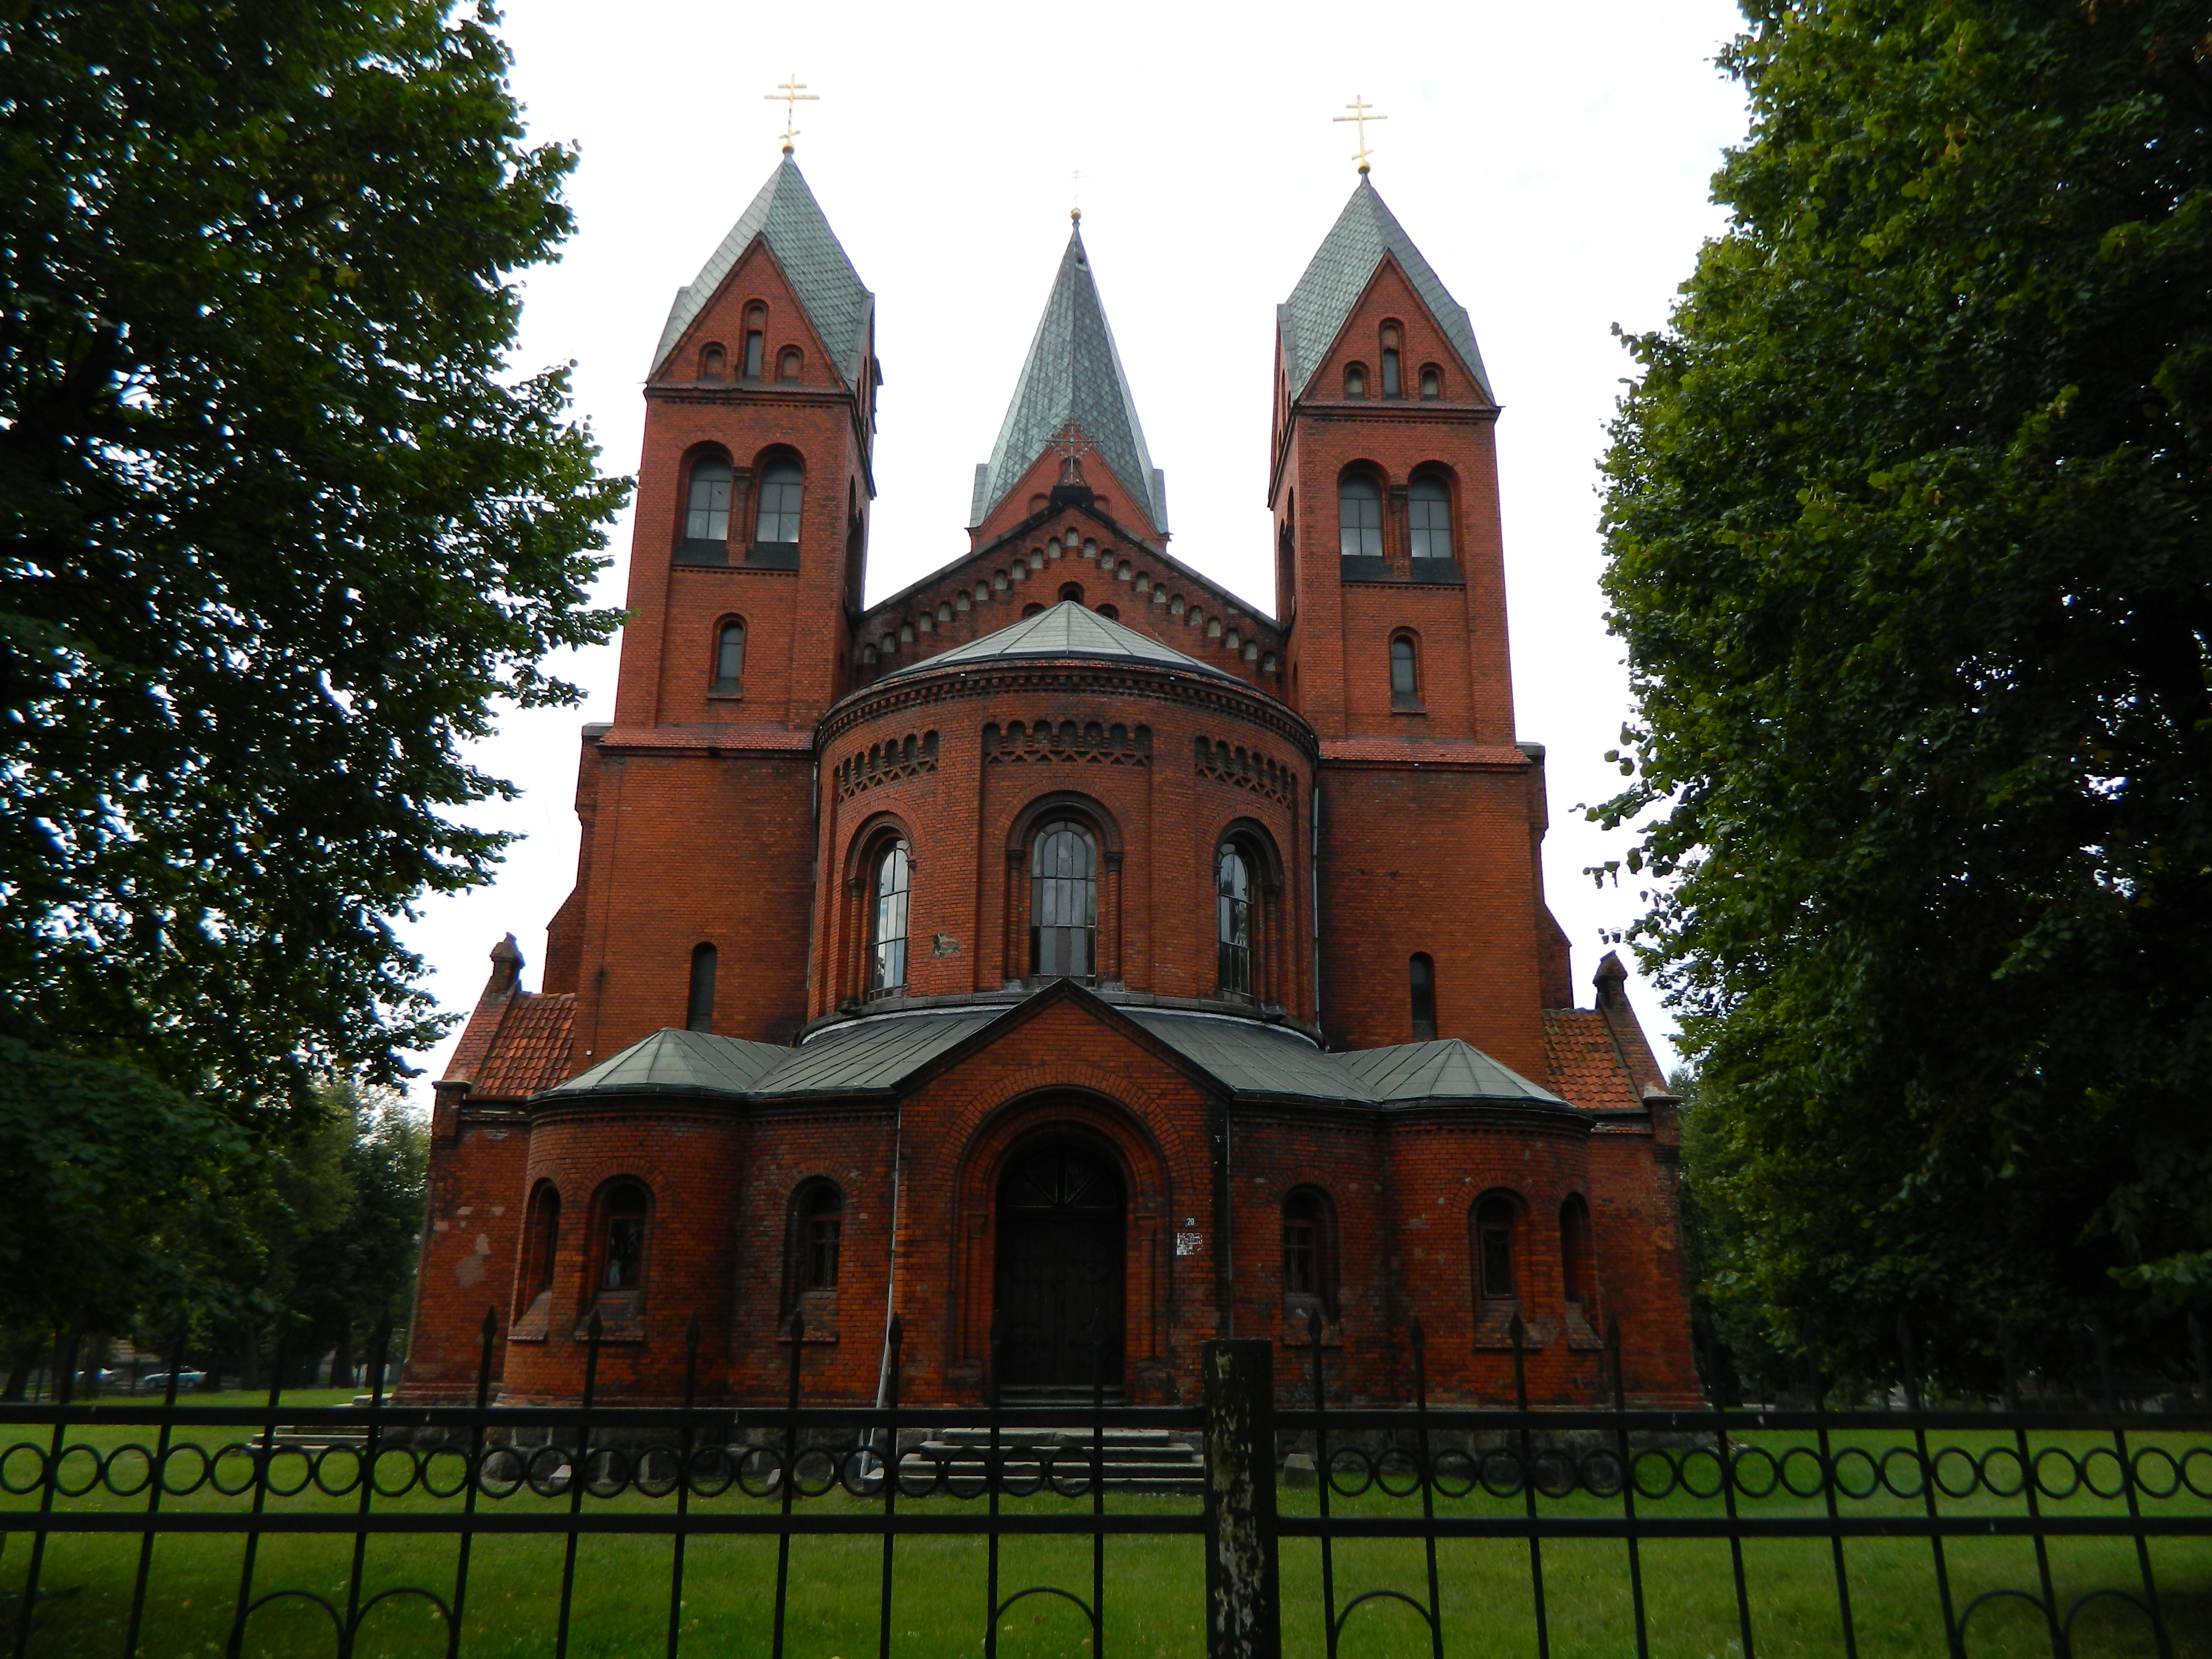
point(1063, 949)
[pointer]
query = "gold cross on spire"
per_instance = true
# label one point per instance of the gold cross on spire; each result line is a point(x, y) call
point(1359, 117)
point(791, 93)
point(1071, 445)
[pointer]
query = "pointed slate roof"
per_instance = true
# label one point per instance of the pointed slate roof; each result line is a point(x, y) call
point(814, 263)
point(1339, 274)
point(672, 1062)
point(1072, 374)
point(1445, 1070)
point(1066, 629)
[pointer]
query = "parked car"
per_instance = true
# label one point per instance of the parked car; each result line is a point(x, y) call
point(158, 1382)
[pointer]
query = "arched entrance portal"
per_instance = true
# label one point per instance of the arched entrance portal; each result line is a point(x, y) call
point(1060, 1260)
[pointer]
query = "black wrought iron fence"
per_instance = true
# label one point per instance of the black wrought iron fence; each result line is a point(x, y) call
point(1311, 1526)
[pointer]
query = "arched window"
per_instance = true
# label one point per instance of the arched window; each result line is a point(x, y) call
point(1493, 1250)
point(1309, 1255)
point(1405, 672)
point(755, 339)
point(541, 1242)
point(1232, 883)
point(709, 517)
point(1355, 381)
point(1032, 608)
point(622, 1261)
point(1428, 513)
point(788, 364)
point(1359, 518)
point(887, 922)
point(1071, 590)
point(782, 484)
point(1577, 1257)
point(1432, 382)
point(730, 659)
point(1422, 974)
point(700, 1014)
point(713, 363)
point(1112, 613)
point(1391, 385)
point(1064, 903)
point(817, 1220)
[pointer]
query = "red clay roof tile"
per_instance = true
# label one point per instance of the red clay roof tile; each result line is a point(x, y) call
point(1580, 1062)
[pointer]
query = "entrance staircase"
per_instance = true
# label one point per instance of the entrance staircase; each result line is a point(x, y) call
point(1133, 1460)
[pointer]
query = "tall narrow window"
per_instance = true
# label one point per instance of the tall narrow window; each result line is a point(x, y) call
point(1405, 673)
point(1422, 974)
point(787, 365)
point(624, 1267)
point(1355, 381)
point(730, 658)
point(1428, 511)
point(1360, 518)
point(1064, 903)
point(1577, 1257)
point(1493, 1247)
point(1309, 1254)
point(1432, 382)
point(887, 923)
point(709, 518)
point(817, 1222)
point(1391, 387)
point(713, 363)
point(544, 1242)
point(755, 339)
point(1233, 921)
point(700, 1013)
point(782, 485)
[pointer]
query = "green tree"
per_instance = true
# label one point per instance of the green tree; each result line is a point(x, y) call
point(278, 527)
point(1907, 540)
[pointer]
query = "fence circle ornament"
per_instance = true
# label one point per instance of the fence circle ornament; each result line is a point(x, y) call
point(1909, 1460)
point(343, 1456)
point(2103, 1459)
point(176, 1452)
point(1954, 1457)
point(241, 1480)
point(2044, 1460)
point(464, 1467)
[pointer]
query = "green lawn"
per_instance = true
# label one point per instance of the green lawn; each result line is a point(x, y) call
point(1154, 1587)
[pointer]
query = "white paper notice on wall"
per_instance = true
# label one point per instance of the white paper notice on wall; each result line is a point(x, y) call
point(1189, 1244)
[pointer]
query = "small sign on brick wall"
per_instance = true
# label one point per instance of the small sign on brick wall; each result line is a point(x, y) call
point(1189, 1244)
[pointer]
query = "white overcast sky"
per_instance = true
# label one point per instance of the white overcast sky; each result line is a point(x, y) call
point(1553, 165)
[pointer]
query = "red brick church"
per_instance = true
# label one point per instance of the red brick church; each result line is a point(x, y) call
point(1061, 943)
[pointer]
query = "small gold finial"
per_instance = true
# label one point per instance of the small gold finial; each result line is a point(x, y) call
point(791, 93)
point(1359, 117)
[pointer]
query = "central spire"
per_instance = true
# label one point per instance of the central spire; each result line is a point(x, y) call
point(1073, 378)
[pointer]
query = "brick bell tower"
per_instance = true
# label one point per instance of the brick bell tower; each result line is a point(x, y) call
point(745, 571)
point(1391, 584)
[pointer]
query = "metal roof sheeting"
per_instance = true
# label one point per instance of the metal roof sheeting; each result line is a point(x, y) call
point(1339, 274)
point(1073, 373)
point(1068, 629)
point(829, 289)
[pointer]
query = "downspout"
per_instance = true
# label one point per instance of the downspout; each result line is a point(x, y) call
point(1313, 890)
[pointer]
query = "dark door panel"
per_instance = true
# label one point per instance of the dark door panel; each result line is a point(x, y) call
point(1060, 1257)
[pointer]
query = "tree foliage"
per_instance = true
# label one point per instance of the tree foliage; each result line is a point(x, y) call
point(278, 527)
point(1907, 540)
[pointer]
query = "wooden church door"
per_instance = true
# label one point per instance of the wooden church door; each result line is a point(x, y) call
point(1060, 1260)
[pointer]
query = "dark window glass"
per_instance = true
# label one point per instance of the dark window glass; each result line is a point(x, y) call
point(730, 657)
point(1576, 1256)
point(1405, 682)
point(1071, 590)
point(787, 365)
point(1360, 518)
point(1428, 511)
point(1432, 383)
point(1301, 1266)
point(709, 520)
point(887, 927)
point(1422, 974)
point(782, 482)
point(625, 1267)
point(1233, 921)
point(1493, 1232)
point(1064, 903)
point(818, 1224)
point(701, 1014)
point(1391, 387)
point(545, 1243)
point(1110, 612)
point(755, 344)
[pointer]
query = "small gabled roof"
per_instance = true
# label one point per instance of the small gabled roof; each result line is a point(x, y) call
point(1447, 1069)
point(1364, 233)
point(672, 1062)
point(1065, 630)
point(813, 262)
point(1072, 374)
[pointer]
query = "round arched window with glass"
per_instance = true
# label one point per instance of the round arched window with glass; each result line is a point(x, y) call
point(894, 872)
point(1064, 903)
point(1232, 881)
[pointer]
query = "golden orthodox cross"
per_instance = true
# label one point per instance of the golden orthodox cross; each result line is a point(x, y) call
point(791, 93)
point(1071, 445)
point(1359, 117)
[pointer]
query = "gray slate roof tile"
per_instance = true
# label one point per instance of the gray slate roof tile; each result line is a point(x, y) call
point(835, 301)
point(1066, 629)
point(1339, 274)
point(1072, 374)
